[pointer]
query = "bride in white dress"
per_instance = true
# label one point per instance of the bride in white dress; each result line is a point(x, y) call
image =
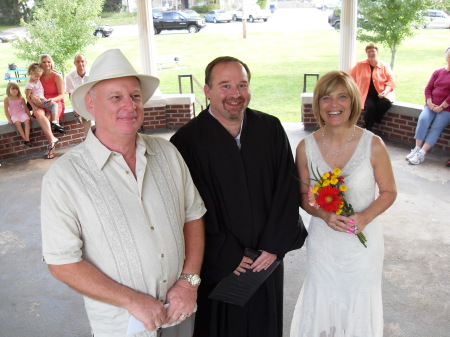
point(341, 294)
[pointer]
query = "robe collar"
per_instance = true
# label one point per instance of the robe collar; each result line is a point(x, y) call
point(238, 137)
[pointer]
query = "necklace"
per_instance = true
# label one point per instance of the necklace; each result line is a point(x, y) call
point(334, 154)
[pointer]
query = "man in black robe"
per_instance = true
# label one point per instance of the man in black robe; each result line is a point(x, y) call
point(241, 162)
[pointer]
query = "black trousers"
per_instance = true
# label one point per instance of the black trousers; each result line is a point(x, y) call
point(374, 110)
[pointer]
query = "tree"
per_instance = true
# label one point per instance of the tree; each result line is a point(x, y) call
point(440, 4)
point(11, 11)
point(262, 3)
point(389, 22)
point(61, 28)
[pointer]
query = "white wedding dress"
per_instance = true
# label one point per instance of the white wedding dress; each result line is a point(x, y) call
point(341, 294)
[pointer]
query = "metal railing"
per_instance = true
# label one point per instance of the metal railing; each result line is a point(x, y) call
point(192, 79)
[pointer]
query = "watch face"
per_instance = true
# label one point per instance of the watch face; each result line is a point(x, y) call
point(195, 280)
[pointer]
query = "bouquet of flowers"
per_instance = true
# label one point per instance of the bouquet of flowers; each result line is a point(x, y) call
point(328, 193)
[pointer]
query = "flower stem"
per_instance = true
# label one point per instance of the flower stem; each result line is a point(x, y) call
point(362, 238)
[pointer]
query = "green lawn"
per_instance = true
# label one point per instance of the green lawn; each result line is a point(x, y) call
point(277, 61)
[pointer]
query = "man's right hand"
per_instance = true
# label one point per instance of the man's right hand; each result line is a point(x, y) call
point(90, 281)
point(148, 310)
point(244, 265)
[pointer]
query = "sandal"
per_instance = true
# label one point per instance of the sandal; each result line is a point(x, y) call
point(51, 149)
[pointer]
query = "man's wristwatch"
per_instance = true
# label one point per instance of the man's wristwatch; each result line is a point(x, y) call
point(193, 279)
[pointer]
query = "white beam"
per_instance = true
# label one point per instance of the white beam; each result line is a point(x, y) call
point(347, 47)
point(146, 39)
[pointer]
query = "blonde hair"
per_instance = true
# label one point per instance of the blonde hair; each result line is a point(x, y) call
point(35, 68)
point(43, 56)
point(330, 82)
point(12, 85)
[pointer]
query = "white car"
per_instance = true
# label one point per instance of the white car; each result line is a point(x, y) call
point(218, 15)
point(435, 18)
point(326, 4)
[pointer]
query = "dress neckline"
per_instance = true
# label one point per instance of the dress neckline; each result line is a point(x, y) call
point(351, 157)
point(47, 79)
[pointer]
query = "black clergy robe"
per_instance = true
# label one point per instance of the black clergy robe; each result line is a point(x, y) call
point(252, 201)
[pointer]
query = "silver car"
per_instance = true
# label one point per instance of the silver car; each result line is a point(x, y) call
point(218, 15)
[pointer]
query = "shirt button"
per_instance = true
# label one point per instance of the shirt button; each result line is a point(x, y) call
point(162, 255)
point(164, 281)
point(127, 172)
point(152, 228)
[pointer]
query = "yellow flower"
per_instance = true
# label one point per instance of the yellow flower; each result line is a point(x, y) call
point(334, 180)
point(343, 188)
point(315, 189)
point(326, 183)
point(337, 171)
point(339, 211)
point(325, 175)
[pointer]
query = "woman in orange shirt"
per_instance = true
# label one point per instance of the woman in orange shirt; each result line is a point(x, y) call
point(376, 83)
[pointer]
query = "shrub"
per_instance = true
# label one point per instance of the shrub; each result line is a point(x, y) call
point(204, 8)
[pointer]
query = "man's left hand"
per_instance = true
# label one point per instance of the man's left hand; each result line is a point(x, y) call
point(181, 298)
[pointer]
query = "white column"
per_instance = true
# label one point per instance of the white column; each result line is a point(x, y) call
point(146, 37)
point(347, 49)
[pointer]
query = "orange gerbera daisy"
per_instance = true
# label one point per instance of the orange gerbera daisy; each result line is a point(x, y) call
point(329, 198)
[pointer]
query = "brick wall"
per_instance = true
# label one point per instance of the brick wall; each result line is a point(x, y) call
point(159, 113)
point(178, 115)
point(398, 125)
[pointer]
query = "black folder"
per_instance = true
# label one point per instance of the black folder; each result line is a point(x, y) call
point(238, 289)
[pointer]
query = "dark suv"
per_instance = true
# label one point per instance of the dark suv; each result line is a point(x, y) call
point(177, 21)
point(334, 19)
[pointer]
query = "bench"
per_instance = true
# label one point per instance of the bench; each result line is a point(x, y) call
point(18, 74)
point(163, 61)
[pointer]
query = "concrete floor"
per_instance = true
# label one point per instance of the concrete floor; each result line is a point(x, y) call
point(416, 285)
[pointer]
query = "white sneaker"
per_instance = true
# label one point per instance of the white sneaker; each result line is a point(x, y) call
point(417, 159)
point(412, 153)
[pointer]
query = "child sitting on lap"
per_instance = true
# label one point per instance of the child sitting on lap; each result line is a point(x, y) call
point(34, 92)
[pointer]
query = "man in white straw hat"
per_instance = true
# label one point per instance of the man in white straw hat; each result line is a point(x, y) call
point(121, 218)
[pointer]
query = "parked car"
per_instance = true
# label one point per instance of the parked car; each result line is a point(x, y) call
point(334, 19)
point(326, 4)
point(156, 13)
point(435, 18)
point(177, 20)
point(190, 13)
point(7, 37)
point(252, 13)
point(218, 15)
point(103, 30)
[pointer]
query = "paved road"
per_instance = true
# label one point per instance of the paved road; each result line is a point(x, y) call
point(415, 284)
point(293, 19)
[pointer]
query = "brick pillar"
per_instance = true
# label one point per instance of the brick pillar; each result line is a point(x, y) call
point(178, 115)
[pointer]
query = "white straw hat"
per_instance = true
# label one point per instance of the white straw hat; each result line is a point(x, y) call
point(111, 64)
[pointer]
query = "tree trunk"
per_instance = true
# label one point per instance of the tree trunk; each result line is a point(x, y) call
point(393, 52)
